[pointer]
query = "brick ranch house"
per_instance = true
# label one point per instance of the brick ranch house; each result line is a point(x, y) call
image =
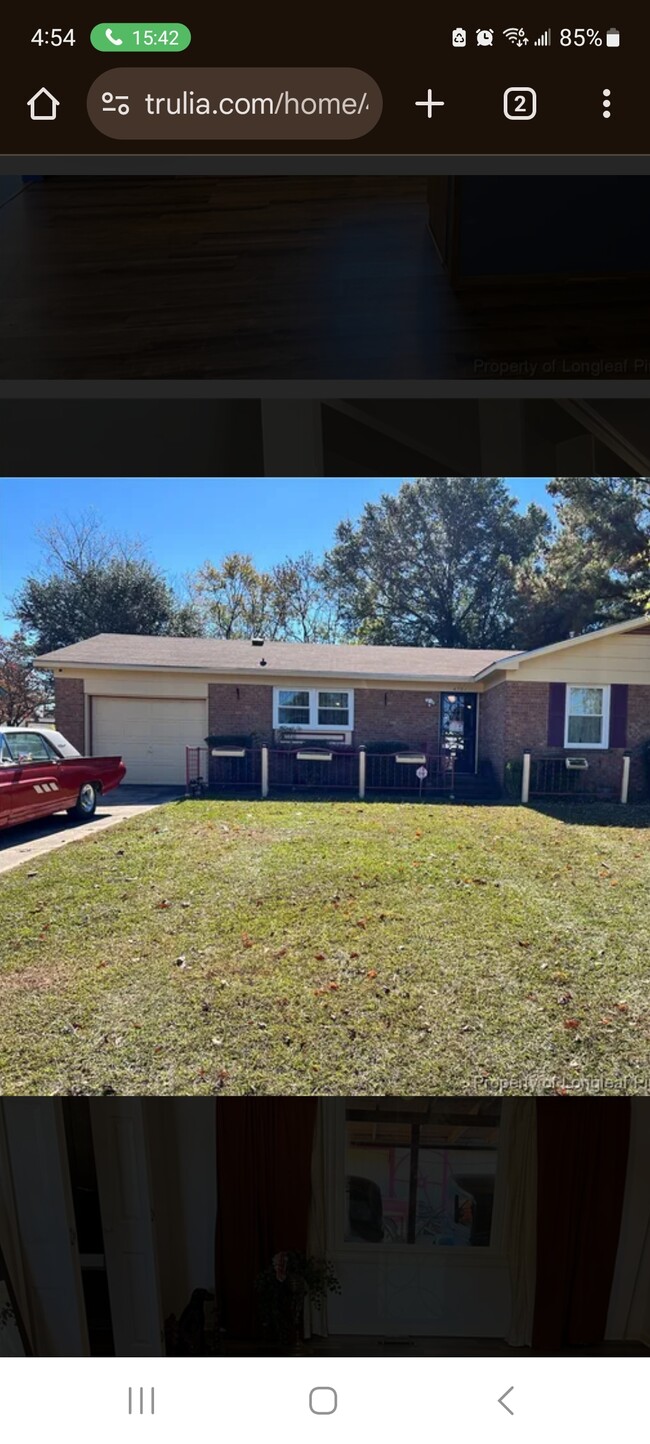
point(148, 698)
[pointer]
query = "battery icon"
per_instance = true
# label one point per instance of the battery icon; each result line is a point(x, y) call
point(613, 38)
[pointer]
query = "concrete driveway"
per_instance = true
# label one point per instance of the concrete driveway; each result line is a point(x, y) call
point(35, 839)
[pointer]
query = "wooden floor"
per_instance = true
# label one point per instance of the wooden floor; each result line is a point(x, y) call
point(276, 278)
point(367, 1346)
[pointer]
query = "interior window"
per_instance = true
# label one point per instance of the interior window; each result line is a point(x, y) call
point(5, 755)
point(421, 1172)
point(586, 716)
point(31, 747)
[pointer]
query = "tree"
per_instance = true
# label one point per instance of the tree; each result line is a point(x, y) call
point(595, 568)
point(93, 582)
point(436, 565)
point(291, 602)
point(235, 599)
point(306, 609)
point(21, 691)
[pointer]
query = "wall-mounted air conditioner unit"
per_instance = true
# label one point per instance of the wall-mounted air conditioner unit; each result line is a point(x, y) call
point(413, 759)
point(314, 756)
point(576, 764)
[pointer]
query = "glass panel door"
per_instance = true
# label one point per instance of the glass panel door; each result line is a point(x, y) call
point(458, 728)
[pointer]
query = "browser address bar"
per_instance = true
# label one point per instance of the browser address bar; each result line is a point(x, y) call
point(268, 103)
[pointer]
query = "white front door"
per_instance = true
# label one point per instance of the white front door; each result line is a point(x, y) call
point(122, 1168)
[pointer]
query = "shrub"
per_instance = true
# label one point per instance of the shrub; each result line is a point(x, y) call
point(513, 777)
point(388, 747)
point(230, 741)
point(646, 762)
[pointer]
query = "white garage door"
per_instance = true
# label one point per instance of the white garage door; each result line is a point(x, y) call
point(151, 736)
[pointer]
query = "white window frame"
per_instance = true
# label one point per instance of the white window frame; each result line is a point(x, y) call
point(314, 726)
point(603, 745)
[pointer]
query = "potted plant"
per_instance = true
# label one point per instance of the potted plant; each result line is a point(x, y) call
point(283, 1289)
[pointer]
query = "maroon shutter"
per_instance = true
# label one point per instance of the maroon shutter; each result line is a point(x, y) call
point(618, 715)
point(556, 711)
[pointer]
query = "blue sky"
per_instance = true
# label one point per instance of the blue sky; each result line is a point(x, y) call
point(184, 521)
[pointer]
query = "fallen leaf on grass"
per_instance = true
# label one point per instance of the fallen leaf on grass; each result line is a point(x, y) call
point(247, 940)
point(320, 957)
point(163, 903)
point(572, 1023)
point(371, 973)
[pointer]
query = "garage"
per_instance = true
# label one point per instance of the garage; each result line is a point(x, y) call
point(151, 734)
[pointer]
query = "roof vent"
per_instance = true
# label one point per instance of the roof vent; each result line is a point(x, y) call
point(257, 641)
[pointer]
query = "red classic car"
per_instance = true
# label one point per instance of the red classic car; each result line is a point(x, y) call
point(41, 772)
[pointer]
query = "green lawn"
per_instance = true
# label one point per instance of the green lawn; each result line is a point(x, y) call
point(332, 947)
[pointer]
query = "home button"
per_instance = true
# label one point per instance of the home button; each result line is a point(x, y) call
point(43, 105)
point(323, 1401)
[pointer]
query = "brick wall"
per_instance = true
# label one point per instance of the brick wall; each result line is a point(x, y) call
point(521, 713)
point(492, 729)
point(69, 710)
point(396, 715)
point(379, 716)
point(239, 711)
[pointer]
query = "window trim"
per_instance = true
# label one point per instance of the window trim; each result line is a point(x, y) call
point(606, 690)
point(314, 726)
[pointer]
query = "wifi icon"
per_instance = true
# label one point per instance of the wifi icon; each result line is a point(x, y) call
point(516, 36)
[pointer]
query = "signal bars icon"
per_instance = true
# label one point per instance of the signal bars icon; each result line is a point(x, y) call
point(544, 39)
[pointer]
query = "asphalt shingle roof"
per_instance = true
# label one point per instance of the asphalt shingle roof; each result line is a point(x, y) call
point(207, 654)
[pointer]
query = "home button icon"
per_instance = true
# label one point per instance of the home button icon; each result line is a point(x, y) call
point(323, 1401)
point(43, 105)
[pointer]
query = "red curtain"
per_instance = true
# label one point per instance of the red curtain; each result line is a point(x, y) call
point(582, 1149)
point(264, 1148)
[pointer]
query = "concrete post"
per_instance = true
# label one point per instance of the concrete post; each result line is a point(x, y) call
point(525, 777)
point(625, 778)
point(265, 772)
point(362, 773)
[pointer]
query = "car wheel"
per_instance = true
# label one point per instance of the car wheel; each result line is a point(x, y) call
point(86, 802)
